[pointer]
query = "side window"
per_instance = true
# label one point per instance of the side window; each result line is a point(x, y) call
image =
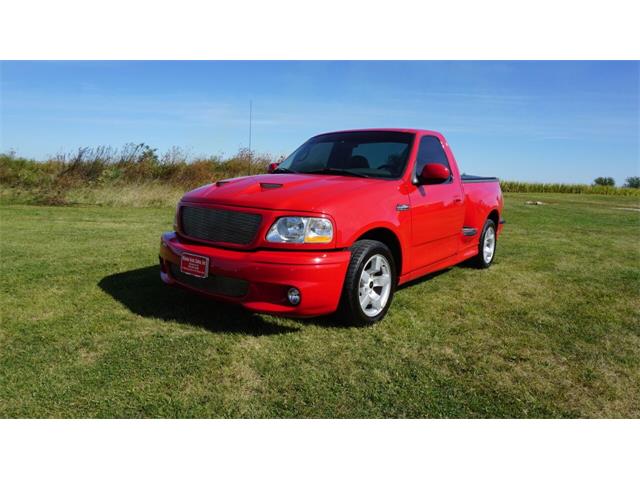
point(431, 151)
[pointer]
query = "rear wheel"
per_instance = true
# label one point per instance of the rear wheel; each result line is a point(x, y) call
point(369, 284)
point(487, 245)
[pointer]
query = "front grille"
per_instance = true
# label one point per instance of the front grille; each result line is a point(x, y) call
point(216, 225)
point(215, 284)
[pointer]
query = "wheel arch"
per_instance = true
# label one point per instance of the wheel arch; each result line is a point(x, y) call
point(390, 239)
point(495, 216)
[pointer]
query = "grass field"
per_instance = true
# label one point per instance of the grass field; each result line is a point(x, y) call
point(551, 330)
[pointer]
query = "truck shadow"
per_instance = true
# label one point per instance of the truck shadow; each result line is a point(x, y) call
point(143, 293)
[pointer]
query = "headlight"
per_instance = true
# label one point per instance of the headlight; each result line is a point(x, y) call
point(301, 230)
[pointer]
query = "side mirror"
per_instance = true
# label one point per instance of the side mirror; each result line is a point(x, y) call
point(272, 167)
point(434, 173)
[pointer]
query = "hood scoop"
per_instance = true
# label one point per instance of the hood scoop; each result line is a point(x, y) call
point(270, 185)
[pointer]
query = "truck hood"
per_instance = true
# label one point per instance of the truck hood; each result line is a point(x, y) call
point(298, 192)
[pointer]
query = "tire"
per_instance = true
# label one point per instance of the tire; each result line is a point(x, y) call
point(488, 239)
point(364, 303)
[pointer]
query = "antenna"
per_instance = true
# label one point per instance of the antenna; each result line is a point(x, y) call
point(250, 115)
point(250, 153)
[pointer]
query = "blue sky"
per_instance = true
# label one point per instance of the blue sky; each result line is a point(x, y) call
point(532, 121)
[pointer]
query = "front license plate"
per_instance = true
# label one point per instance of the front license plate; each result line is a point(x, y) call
point(195, 265)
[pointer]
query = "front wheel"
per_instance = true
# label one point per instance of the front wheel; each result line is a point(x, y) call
point(369, 284)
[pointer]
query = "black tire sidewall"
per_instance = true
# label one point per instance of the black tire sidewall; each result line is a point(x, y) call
point(362, 251)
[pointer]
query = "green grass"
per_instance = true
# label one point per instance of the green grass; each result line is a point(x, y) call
point(551, 330)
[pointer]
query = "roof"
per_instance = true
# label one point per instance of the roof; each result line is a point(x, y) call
point(404, 130)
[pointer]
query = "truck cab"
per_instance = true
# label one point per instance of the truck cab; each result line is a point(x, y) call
point(335, 227)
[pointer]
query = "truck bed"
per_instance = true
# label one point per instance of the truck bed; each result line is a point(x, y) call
point(476, 179)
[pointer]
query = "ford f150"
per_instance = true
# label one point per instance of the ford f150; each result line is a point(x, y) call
point(335, 227)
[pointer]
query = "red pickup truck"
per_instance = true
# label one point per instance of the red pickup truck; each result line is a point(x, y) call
point(335, 227)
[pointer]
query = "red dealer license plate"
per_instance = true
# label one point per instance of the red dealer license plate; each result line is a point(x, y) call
point(195, 265)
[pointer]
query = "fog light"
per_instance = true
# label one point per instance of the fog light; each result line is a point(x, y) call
point(294, 296)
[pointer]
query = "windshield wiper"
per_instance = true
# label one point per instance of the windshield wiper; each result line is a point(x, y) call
point(283, 170)
point(338, 171)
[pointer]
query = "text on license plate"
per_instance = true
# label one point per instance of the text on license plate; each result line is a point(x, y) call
point(195, 265)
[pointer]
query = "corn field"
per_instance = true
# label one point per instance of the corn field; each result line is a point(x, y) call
point(524, 187)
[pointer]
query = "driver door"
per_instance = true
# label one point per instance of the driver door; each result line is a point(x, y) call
point(437, 211)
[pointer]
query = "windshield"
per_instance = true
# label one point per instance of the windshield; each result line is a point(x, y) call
point(361, 154)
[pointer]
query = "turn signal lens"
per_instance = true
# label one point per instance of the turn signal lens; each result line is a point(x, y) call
point(319, 230)
point(301, 230)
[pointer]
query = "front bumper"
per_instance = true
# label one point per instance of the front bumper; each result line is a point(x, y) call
point(318, 275)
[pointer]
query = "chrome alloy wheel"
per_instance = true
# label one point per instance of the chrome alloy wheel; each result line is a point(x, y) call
point(375, 285)
point(489, 245)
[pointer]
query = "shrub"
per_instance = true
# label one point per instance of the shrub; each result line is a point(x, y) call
point(604, 181)
point(632, 182)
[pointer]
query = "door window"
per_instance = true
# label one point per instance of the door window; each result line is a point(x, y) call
point(431, 151)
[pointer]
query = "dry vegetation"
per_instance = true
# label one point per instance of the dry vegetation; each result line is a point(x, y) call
point(137, 175)
point(134, 175)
